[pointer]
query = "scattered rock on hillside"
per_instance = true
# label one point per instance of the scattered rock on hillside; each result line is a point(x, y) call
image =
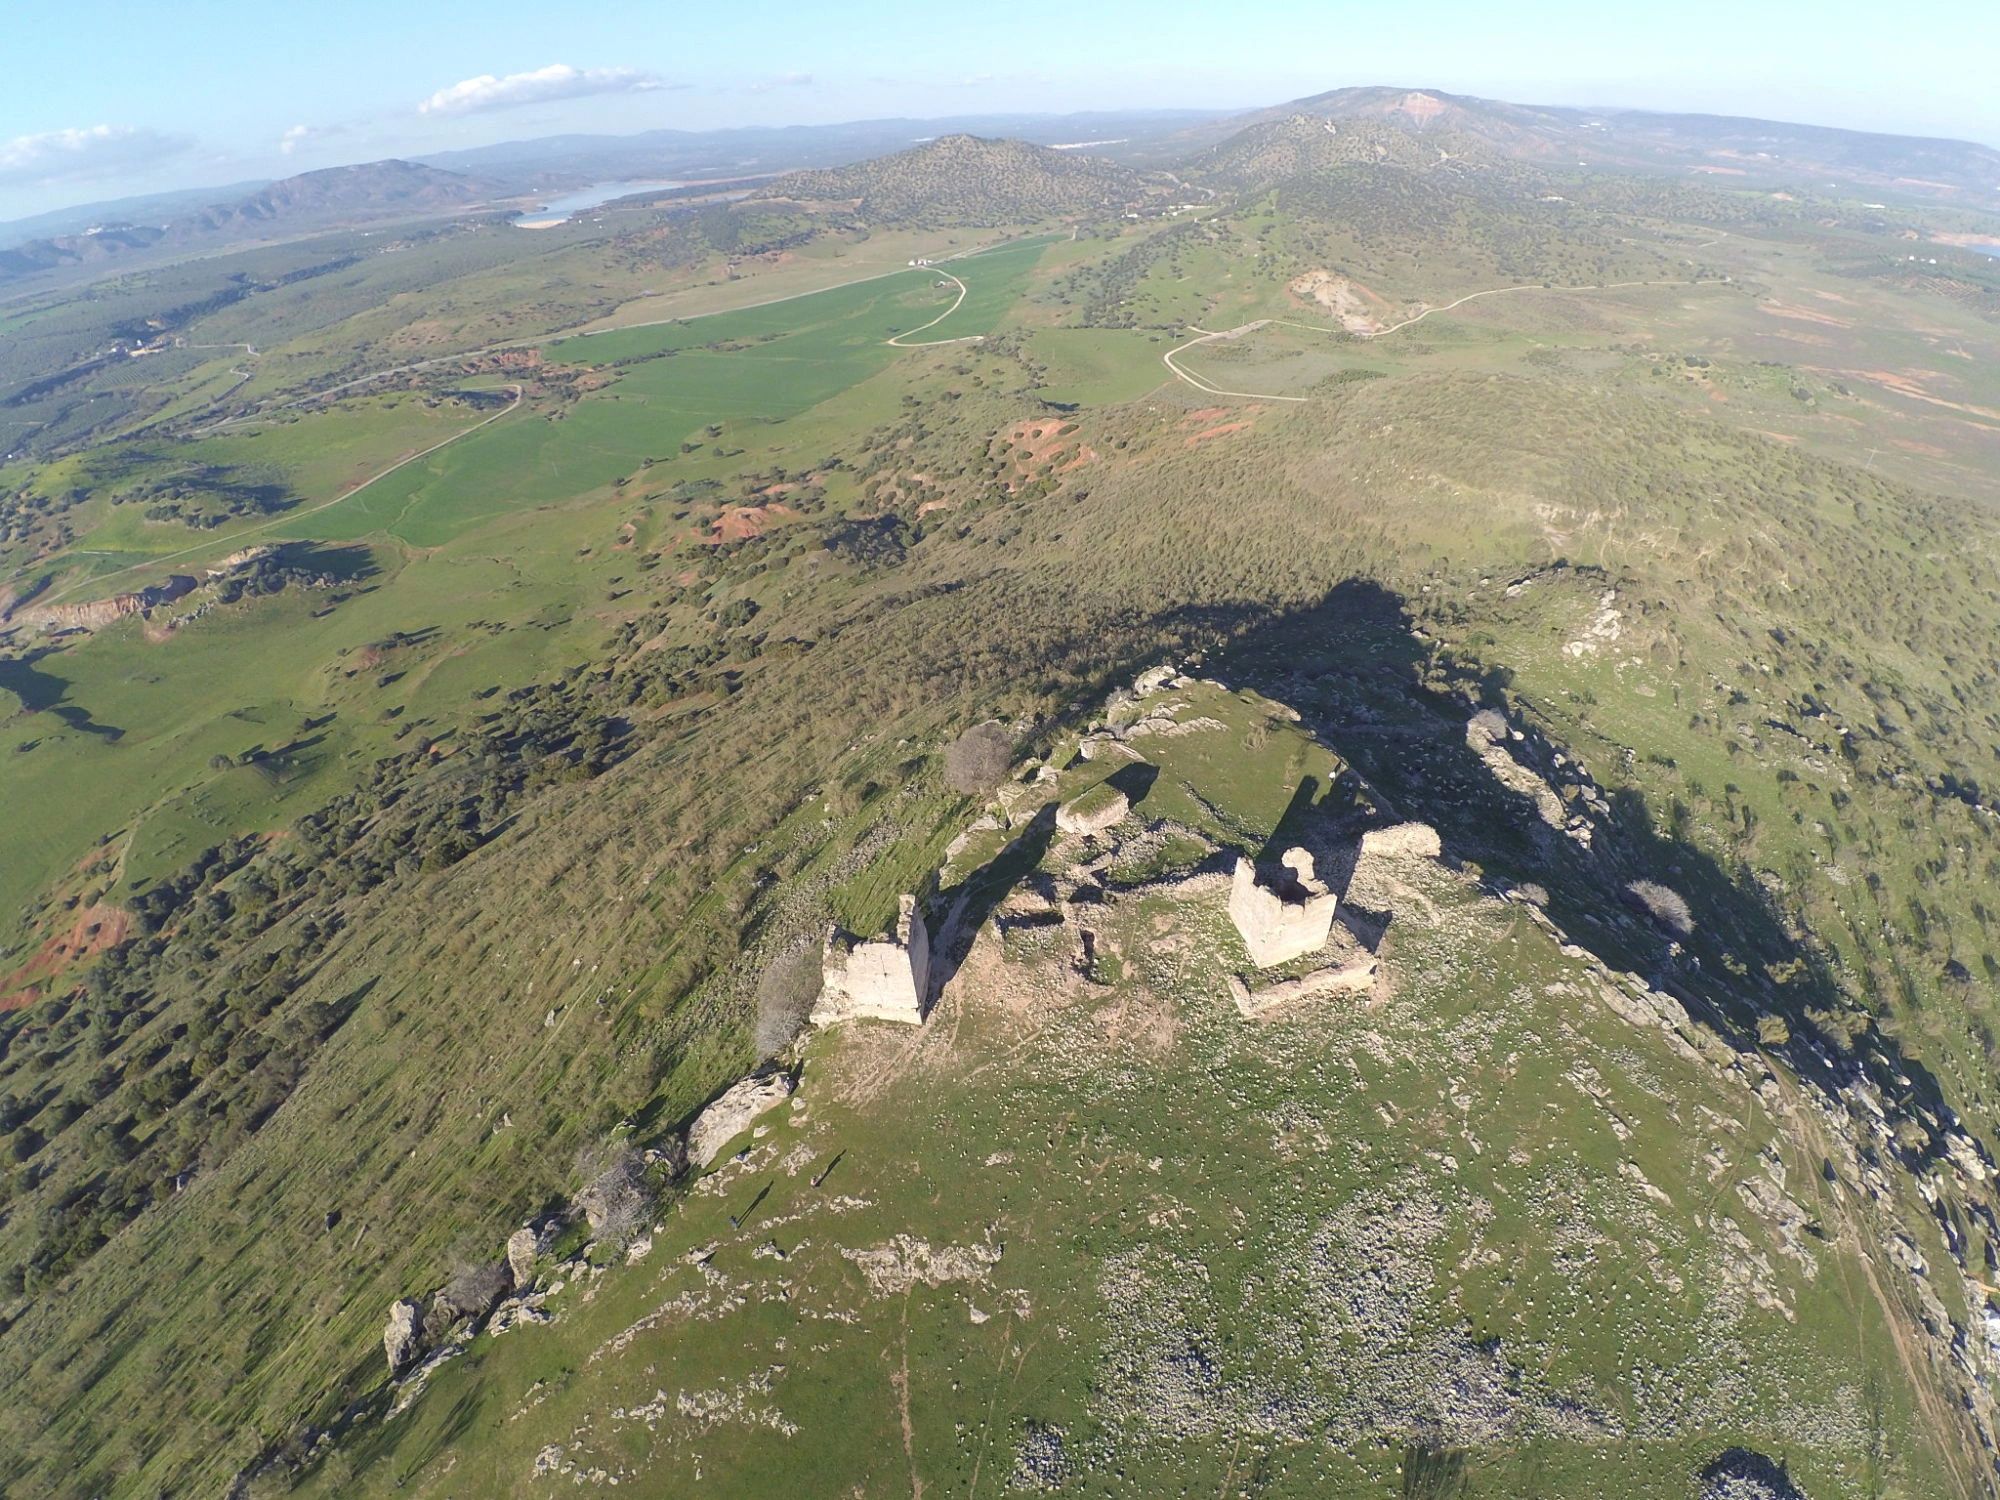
point(725, 1119)
point(906, 1260)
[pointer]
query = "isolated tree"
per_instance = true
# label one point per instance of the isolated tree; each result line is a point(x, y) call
point(1663, 904)
point(977, 760)
point(785, 995)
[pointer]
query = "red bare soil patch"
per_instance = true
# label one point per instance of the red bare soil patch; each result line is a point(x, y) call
point(1215, 432)
point(1204, 414)
point(1037, 443)
point(739, 523)
point(95, 929)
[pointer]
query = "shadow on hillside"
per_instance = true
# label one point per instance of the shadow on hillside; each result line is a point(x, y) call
point(342, 562)
point(44, 692)
point(1134, 780)
point(1368, 688)
point(981, 893)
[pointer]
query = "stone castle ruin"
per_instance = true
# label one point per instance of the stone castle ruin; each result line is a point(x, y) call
point(1284, 917)
point(883, 979)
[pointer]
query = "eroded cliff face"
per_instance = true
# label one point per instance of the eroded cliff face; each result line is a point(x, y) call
point(96, 614)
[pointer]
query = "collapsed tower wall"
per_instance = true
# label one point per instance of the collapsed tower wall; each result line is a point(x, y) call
point(884, 979)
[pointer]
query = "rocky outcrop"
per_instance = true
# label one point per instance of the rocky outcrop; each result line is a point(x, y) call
point(1403, 841)
point(403, 1334)
point(1101, 808)
point(887, 979)
point(99, 613)
point(1284, 918)
point(524, 1247)
point(239, 560)
point(729, 1116)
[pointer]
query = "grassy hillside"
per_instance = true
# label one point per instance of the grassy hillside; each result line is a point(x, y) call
point(403, 879)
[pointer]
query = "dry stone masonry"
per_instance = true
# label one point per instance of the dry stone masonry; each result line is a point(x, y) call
point(1285, 918)
point(1098, 810)
point(887, 979)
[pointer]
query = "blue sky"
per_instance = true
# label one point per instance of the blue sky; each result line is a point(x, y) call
point(112, 97)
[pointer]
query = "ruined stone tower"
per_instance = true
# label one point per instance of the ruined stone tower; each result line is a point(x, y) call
point(886, 979)
point(1287, 917)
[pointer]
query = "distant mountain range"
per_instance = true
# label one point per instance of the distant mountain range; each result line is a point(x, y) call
point(326, 199)
point(1221, 148)
point(1725, 148)
point(570, 160)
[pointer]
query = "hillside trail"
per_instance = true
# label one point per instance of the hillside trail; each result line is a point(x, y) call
point(512, 345)
point(972, 338)
point(1202, 383)
point(1948, 1435)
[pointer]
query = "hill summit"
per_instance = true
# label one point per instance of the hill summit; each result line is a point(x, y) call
point(973, 180)
point(1302, 144)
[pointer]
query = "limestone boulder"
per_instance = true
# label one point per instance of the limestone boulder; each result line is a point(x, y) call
point(403, 1334)
point(1403, 841)
point(732, 1114)
point(1101, 808)
point(523, 1246)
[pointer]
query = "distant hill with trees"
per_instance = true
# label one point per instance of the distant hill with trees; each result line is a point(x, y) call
point(966, 179)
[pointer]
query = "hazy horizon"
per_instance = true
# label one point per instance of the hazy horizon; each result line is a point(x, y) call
point(145, 103)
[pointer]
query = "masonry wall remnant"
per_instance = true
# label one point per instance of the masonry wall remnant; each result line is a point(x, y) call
point(884, 979)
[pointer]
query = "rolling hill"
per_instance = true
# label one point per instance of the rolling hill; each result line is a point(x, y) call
point(970, 180)
point(371, 192)
point(1761, 152)
point(463, 729)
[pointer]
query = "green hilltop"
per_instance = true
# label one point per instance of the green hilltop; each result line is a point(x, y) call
point(450, 689)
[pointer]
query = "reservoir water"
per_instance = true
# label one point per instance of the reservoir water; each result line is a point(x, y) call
point(558, 209)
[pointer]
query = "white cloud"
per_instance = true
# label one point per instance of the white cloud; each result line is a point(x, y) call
point(79, 155)
point(556, 81)
point(309, 135)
